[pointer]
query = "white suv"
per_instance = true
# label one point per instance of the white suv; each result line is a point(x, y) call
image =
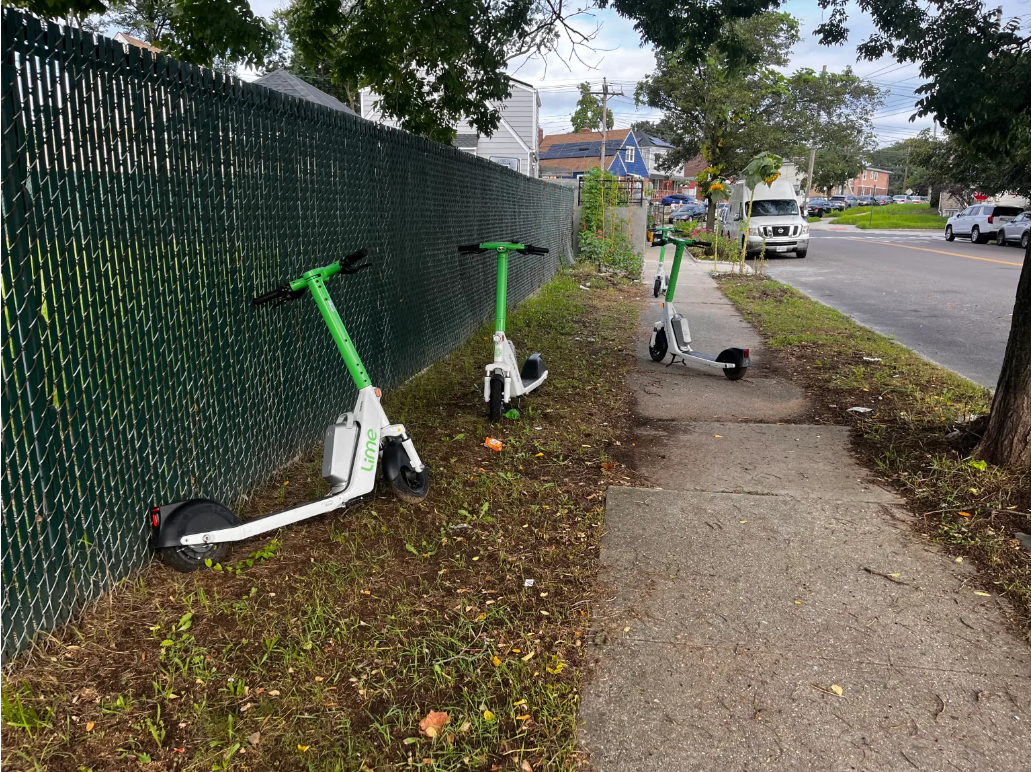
point(979, 222)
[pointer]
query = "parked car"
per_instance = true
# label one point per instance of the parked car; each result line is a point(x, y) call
point(1016, 231)
point(776, 221)
point(898, 199)
point(677, 199)
point(866, 201)
point(818, 207)
point(882, 200)
point(980, 223)
point(916, 200)
point(688, 212)
point(848, 201)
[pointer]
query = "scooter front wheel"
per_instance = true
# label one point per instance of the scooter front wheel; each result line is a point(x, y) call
point(411, 486)
point(658, 349)
point(497, 395)
point(657, 288)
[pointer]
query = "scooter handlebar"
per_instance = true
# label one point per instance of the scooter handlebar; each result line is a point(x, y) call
point(470, 249)
point(268, 297)
point(532, 250)
point(353, 258)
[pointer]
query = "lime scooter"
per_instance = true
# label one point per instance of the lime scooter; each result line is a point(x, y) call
point(661, 279)
point(673, 335)
point(187, 534)
point(504, 380)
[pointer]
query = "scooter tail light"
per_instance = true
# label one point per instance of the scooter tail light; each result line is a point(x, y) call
point(746, 353)
point(155, 516)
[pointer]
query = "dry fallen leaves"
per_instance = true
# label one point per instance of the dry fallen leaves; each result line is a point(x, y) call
point(964, 514)
point(837, 689)
point(255, 738)
point(525, 766)
point(89, 726)
point(488, 716)
point(433, 723)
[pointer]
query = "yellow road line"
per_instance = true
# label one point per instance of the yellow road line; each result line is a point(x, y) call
point(938, 251)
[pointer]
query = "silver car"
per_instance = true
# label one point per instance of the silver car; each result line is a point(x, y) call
point(979, 222)
point(1016, 231)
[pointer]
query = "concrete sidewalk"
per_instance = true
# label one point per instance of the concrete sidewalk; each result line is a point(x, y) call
point(770, 606)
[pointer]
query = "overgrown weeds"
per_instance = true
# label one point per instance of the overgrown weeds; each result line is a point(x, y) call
point(917, 434)
point(322, 647)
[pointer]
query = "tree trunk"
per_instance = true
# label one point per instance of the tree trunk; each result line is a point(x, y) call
point(1008, 439)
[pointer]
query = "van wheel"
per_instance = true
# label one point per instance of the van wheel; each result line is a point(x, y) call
point(975, 235)
point(949, 235)
point(801, 252)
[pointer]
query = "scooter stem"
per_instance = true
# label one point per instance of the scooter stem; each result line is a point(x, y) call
point(336, 328)
point(501, 306)
point(674, 271)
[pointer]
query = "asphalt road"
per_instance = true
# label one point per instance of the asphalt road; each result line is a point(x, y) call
point(950, 302)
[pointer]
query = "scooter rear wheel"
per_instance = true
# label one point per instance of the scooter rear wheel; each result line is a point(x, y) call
point(188, 559)
point(497, 395)
point(411, 486)
point(657, 288)
point(658, 349)
point(735, 373)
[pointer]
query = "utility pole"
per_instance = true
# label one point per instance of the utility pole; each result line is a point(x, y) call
point(905, 174)
point(812, 151)
point(605, 93)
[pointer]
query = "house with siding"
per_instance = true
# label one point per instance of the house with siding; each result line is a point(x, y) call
point(286, 83)
point(515, 142)
point(574, 154)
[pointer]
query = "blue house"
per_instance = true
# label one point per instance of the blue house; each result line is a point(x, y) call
point(573, 155)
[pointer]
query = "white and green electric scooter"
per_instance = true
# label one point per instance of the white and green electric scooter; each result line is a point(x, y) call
point(188, 534)
point(673, 335)
point(505, 380)
point(661, 279)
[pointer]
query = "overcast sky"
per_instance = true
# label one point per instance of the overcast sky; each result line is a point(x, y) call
point(621, 58)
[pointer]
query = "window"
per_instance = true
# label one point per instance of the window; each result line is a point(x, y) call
point(875, 176)
point(864, 174)
point(511, 163)
point(630, 155)
point(774, 207)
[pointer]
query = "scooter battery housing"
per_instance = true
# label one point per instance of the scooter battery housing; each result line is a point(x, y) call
point(338, 453)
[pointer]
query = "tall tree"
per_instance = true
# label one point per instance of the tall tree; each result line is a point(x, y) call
point(432, 62)
point(719, 106)
point(588, 112)
point(204, 32)
point(831, 111)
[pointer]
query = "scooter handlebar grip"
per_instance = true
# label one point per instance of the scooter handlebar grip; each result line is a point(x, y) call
point(470, 249)
point(353, 258)
point(532, 250)
point(268, 297)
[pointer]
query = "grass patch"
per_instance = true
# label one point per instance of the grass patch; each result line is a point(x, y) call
point(903, 216)
point(971, 507)
point(326, 643)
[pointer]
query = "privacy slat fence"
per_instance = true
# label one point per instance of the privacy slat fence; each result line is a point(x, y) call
point(144, 202)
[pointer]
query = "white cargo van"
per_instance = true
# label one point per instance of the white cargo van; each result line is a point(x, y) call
point(776, 219)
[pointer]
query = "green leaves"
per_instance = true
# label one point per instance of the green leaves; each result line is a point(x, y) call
point(588, 111)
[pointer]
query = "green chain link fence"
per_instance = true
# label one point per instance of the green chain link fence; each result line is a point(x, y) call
point(144, 202)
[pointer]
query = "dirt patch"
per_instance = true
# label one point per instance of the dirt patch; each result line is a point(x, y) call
point(324, 645)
